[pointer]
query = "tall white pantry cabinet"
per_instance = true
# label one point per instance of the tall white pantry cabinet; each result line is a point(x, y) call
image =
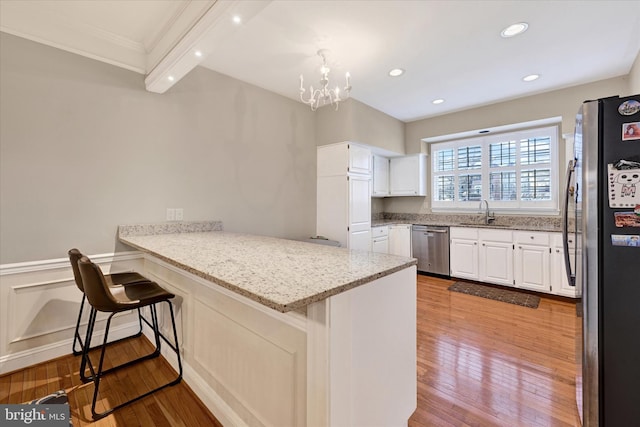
point(344, 194)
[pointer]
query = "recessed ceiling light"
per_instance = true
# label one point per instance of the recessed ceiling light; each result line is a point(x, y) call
point(236, 19)
point(437, 101)
point(170, 78)
point(198, 53)
point(514, 29)
point(396, 72)
point(531, 77)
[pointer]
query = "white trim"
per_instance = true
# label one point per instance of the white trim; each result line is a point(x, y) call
point(550, 121)
point(22, 359)
point(212, 28)
point(56, 263)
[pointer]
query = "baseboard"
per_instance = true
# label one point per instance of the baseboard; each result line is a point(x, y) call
point(22, 359)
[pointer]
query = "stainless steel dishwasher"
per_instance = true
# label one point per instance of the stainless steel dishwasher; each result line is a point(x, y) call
point(430, 246)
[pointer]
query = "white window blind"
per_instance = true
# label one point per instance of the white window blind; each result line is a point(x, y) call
point(513, 171)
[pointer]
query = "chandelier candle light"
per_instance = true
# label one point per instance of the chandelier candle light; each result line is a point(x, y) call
point(324, 95)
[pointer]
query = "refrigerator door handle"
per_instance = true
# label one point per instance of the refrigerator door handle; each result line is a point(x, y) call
point(569, 190)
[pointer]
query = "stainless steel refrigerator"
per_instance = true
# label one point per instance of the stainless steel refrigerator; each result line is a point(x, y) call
point(602, 216)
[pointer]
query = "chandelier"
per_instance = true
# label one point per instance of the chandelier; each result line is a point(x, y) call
point(324, 95)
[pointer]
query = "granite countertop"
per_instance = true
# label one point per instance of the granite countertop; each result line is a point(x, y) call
point(532, 223)
point(516, 227)
point(282, 274)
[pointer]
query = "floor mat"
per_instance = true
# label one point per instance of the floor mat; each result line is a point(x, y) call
point(497, 294)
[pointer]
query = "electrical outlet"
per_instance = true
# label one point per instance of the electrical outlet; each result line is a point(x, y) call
point(171, 214)
point(179, 214)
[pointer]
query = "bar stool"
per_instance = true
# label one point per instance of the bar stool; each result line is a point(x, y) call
point(115, 299)
point(126, 279)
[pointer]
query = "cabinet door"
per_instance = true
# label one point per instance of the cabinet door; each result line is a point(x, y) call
point(332, 207)
point(496, 262)
point(380, 176)
point(408, 176)
point(380, 245)
point(558, 275)
point(464, 258)
point(400, 240)
point(359, 160)
point(532, 267)
point(359, 212)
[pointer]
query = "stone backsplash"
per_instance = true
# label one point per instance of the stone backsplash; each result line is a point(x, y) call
point(545, 223)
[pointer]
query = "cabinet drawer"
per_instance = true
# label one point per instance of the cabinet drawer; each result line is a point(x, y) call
point(531, 238)
point(379, 231)
point(488, 235)
point(463, 233)
point(556, 240)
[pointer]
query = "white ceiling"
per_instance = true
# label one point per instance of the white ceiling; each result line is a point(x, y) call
point(449, 49)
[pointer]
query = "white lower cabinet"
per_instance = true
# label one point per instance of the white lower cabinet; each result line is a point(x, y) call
point(532, 255)
point(463, 252)
point(496, 256)
point(559, 282)
point(524, 259)
point(380, 239)
point(391, 239)
point(400, 240)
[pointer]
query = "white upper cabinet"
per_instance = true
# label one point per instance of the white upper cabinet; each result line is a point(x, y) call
point(380, 176)
point(408, 175)
point(343, 158)
point(359, 160)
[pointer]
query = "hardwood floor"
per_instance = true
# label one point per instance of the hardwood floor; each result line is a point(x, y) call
point(170, 407)
point(489, 363)
point(480, 363)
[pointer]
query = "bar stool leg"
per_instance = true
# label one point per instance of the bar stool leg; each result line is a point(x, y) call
point(98, 375)
point(76, 336)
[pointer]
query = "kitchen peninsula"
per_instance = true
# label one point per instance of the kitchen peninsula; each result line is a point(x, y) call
point(282, 332)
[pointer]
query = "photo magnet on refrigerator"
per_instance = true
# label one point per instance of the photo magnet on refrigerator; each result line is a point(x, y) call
point(624, 187)
point(632, 240)
point(629, 108)
point(631, 131)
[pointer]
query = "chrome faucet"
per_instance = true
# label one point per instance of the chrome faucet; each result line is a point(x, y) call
point(488, 218)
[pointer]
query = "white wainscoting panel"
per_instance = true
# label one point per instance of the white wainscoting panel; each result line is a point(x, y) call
point(39, 304)
point(251, 357)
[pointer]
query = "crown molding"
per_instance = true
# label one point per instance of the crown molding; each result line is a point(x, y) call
point(25, 19)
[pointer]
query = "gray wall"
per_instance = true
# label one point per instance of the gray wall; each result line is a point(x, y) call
point(634, 77)
point(83, 148)
point(357, 122)
point(563, 103)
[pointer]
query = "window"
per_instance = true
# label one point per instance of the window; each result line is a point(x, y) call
point(513, 171)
